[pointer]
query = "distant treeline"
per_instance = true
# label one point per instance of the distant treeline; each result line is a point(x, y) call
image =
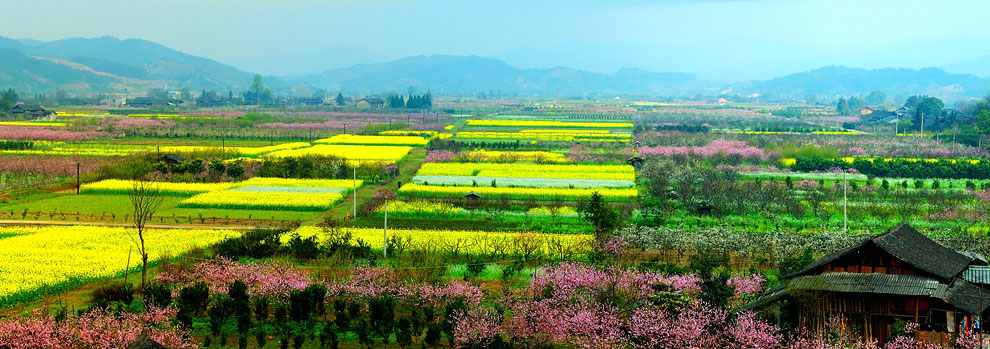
point(16, 145)
point(942, 168)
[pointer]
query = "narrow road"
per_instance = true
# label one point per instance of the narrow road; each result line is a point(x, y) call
point(113, 224)
point(407, 169)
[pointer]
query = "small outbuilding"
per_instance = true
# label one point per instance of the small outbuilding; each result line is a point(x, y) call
point(704, 208)
point(472, 199)
point(636, 162)
point(172, 159)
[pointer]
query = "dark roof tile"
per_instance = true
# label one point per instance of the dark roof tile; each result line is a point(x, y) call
point(907, 244)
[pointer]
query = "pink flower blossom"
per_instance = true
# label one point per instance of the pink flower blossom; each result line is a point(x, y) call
point(265, 278)
point(717, 147)
point(97, 328)
point(44, 134)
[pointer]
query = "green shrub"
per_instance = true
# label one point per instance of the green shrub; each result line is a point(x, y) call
point(115, 291)
point(157, 295)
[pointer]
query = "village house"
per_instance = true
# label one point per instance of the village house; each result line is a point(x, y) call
point(371, 102)
point(884, 116)
point(896, 277)
point(33, 111)
point(309, 100)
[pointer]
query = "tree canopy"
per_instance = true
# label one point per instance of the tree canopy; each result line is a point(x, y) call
point(258, 93)
point(8, 99)
point(876, 97)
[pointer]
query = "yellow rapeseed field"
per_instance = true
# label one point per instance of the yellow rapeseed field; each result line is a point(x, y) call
point(292, 182)
point(359, 153)
point(36, 124)
point(474, 242)
point(546, 156)
point(561, 136)
point(547, 123)
point(614, 172)
point(792, 161)
point(263, 200)
point(374, 140)
point(425, 191)
point(116, 186)
point(54, 258)
point(420, 133)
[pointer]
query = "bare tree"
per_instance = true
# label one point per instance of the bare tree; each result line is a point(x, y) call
point(145, 198)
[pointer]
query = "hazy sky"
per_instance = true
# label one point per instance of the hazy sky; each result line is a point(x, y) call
point(719, 40)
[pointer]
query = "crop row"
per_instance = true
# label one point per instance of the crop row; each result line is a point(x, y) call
point(124, 150)
point(515, 156)
point(417, 141)
point(612, 172)
point(420, 133)
point(413, 190)
point(851, 160)
point(310, 183)
point(33, 123)
point(244, 200)
point(256, 184)
point(358, 153)
point(471, 242)
point(547, 123)
point(289, 190)
point(414, 208)
point(560, 137)
point(474, 181)
point(123, 187)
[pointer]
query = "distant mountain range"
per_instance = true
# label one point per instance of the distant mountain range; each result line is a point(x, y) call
point(843, 81)
point(468, 74)
point(977, 66)
point(109, 64)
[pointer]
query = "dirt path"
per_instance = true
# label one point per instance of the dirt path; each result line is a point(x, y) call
point(111, 224)
point(407, 169)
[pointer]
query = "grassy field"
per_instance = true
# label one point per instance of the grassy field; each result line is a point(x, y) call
point(119, 206)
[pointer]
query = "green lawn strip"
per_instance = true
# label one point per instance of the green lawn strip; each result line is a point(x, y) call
point(811, 224)
point(491, 272)
point(469, 225)
point(860, 179)
point(120, 206)
point(481, 222)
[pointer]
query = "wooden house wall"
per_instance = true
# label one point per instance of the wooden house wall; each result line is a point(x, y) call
point(871, 316)
point(871, 259)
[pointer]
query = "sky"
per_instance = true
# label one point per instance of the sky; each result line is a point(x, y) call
point(716, 40)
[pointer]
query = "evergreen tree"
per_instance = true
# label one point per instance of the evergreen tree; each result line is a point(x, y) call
point(8, 99)
point(601, 215)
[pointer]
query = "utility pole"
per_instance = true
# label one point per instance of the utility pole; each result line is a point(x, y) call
point(845, 215)
point(354, 194)
point(77, 178)
point(385, 233)
point(922, 125)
